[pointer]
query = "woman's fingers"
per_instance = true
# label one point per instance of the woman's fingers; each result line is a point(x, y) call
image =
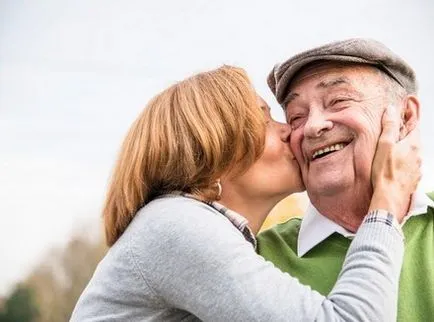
point(389, 125)
point(396, 165)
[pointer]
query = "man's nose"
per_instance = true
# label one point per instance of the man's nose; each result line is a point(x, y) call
point(316, 124)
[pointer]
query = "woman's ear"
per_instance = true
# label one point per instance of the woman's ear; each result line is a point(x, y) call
point(409, 115)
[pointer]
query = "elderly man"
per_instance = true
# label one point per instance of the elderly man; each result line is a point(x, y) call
point(334, 97)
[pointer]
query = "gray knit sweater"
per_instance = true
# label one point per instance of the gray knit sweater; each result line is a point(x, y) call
point(180, 259)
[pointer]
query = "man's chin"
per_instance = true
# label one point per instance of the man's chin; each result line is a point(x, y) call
point(327, 188)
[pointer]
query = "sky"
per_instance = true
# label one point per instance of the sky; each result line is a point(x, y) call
point(75, 74)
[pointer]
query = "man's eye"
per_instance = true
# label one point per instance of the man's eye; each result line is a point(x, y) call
point(296, 121)
point(339, 100)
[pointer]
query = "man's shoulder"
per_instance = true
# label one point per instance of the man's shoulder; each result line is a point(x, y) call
point(286, 231)
point(279, 243)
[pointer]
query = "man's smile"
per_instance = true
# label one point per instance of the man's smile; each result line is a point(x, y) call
point(330, 148)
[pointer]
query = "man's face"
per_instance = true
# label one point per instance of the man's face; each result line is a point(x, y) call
point(335, 113)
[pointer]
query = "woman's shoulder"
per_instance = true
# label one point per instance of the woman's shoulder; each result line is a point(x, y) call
point(174, 217)
point(172, 229)
point(175, 208)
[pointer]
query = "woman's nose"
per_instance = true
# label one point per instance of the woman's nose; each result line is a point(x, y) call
point(285, 131)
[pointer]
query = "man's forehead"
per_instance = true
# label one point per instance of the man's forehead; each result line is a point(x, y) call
point(329, 74)
point(329, 68)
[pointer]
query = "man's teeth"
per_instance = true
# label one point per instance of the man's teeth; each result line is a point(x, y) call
point(331, 148)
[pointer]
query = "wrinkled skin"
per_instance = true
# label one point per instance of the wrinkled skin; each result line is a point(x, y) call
point(333, 104)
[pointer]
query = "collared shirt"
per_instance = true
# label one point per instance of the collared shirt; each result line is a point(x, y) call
point(315, 227)
point(235, 218)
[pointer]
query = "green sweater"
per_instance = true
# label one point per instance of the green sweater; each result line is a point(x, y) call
point(320, 267)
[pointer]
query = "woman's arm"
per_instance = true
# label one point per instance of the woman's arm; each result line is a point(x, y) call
point(367, 287)
point(196, 260)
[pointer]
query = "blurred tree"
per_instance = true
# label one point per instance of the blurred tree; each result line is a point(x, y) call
point(59, 280)
point(289, 207)
point(19, 306)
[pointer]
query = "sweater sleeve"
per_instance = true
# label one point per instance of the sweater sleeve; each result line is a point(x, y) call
point(194, 259)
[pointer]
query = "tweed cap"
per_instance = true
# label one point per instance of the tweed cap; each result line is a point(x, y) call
point(357, 50)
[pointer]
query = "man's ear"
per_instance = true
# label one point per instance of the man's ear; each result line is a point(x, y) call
point(409, 115)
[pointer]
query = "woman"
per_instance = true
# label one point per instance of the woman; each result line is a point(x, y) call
point(177, 254)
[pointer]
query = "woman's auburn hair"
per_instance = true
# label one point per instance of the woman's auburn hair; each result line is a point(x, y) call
point(185, 139)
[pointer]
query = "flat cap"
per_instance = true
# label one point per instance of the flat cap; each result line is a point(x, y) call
point(356, 50)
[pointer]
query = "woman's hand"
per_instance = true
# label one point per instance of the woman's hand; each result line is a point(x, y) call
point(396, 168)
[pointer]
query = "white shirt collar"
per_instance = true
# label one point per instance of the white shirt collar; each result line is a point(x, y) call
point(315, 227)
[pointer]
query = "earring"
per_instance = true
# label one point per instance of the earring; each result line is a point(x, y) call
point(219, 187)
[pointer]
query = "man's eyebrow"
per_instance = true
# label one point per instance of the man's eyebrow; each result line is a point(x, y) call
point(334, 82)
point(290, 98)
point(323, 84)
